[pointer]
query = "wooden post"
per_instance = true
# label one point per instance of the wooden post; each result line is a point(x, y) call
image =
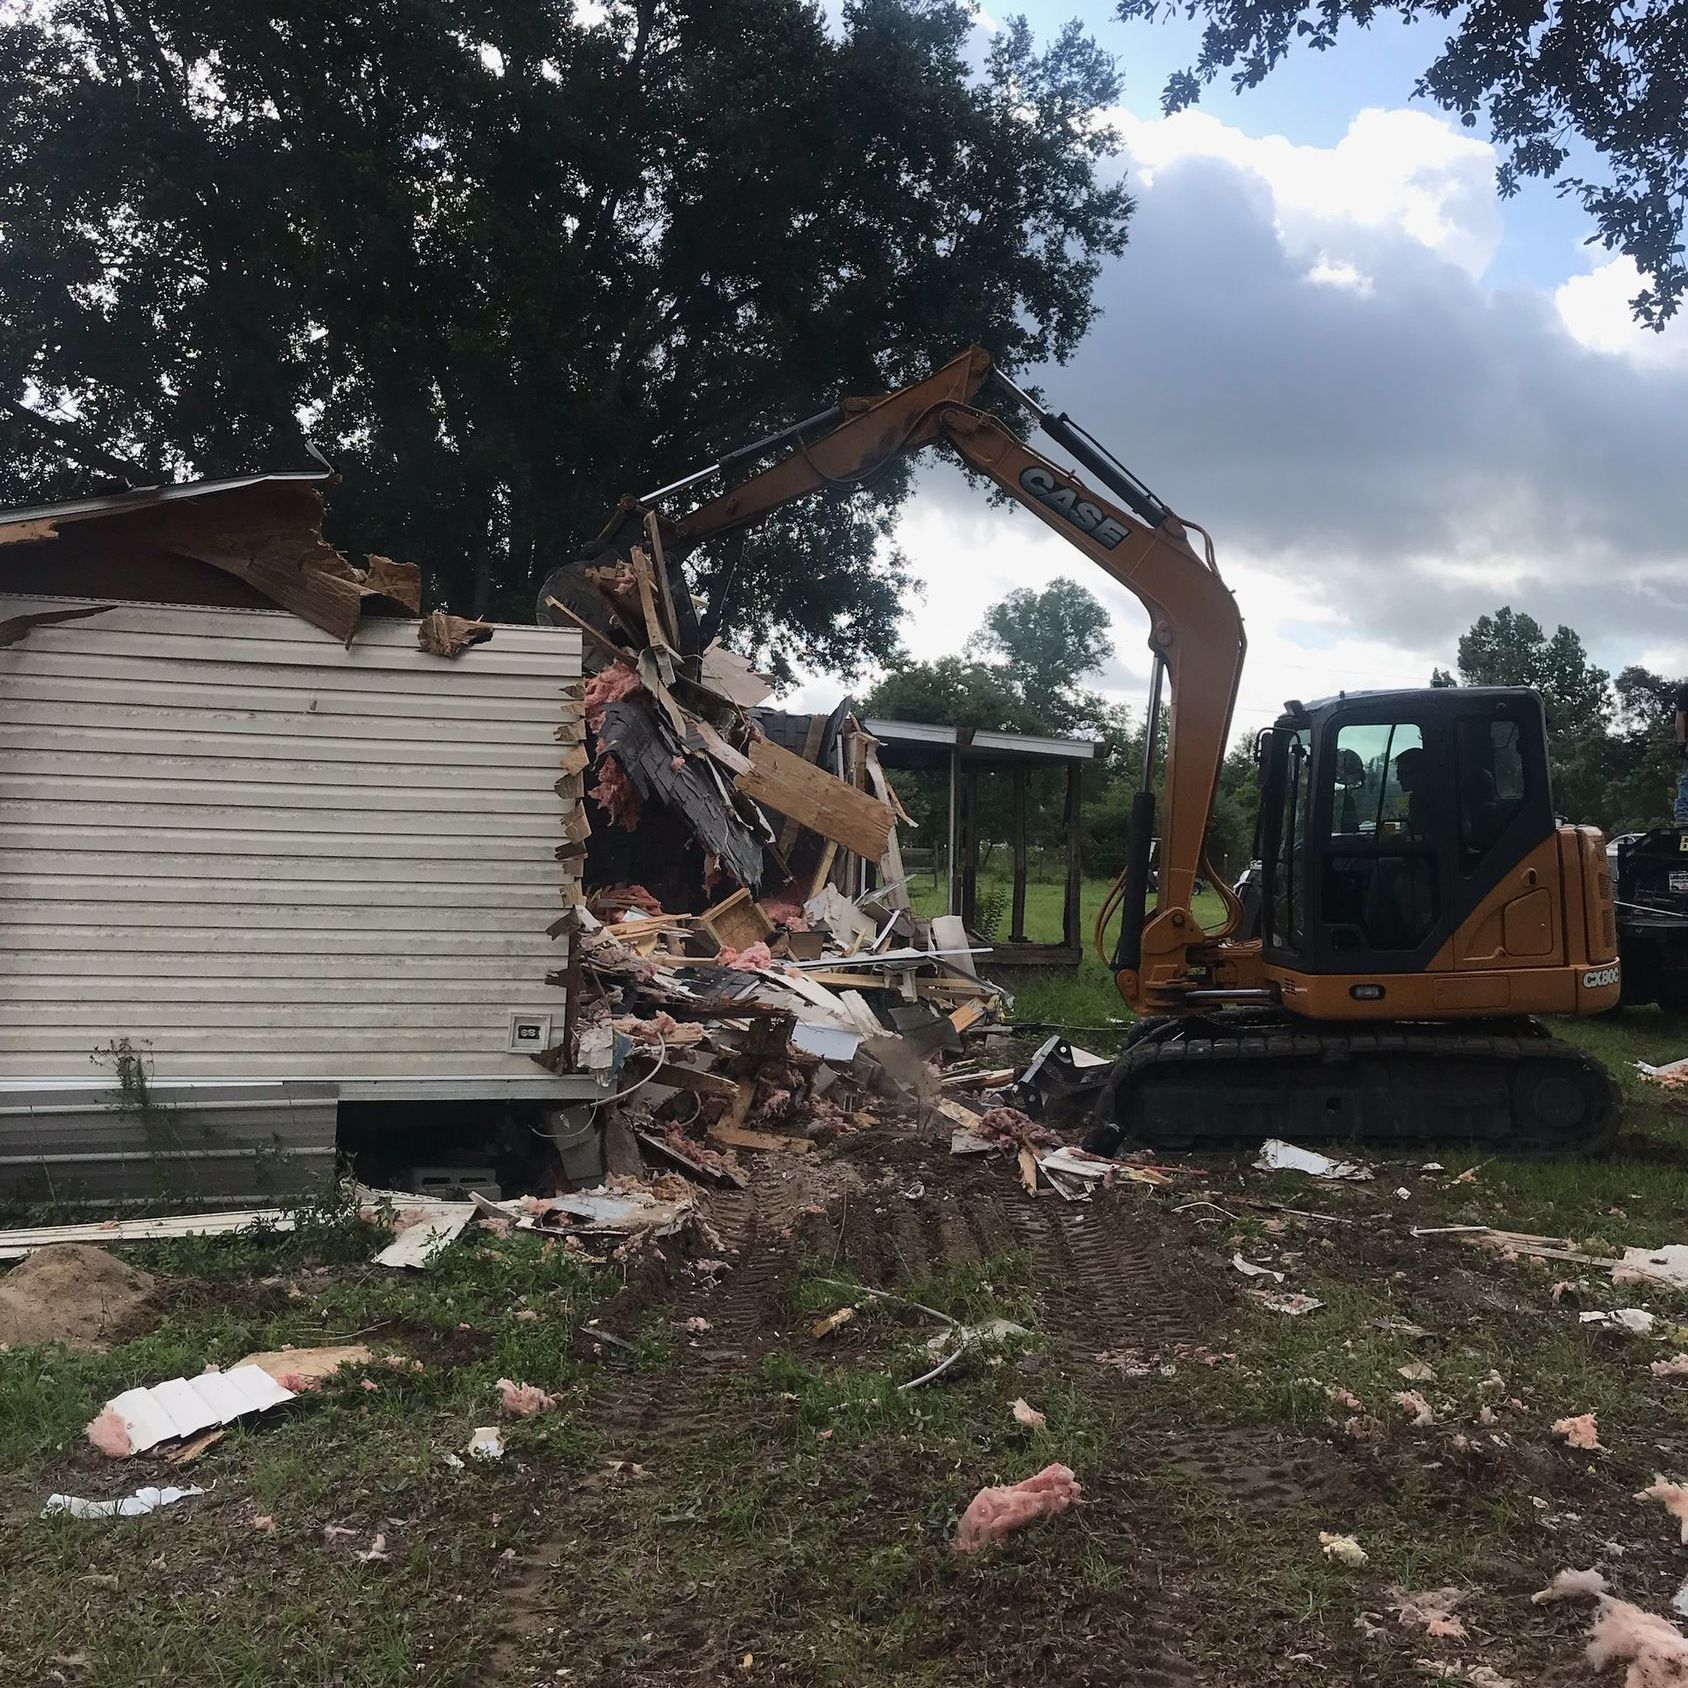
point(1017, 931)
point(1070, 918)
point(970, 845)
point(952, 840)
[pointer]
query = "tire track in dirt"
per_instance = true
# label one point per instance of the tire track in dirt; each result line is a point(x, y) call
point(638, 1412)
point(1101, 1280)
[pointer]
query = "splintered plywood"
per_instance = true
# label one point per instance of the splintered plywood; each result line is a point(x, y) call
point(816, 799)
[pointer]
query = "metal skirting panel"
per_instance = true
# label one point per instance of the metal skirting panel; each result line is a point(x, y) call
point(229, 1145)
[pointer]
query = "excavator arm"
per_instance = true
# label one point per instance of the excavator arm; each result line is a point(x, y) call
point(1195, 632)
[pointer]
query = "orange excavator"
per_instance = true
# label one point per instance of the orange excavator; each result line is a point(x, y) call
point(1415, 903)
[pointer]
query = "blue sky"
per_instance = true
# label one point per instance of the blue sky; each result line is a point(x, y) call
point(1396, 401)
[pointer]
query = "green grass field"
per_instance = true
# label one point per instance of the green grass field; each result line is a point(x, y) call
point(1081, 1000)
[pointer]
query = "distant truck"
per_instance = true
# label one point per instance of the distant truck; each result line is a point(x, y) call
point(1650, 888)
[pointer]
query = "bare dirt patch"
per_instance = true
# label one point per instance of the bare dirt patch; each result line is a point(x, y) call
point(77, 1295)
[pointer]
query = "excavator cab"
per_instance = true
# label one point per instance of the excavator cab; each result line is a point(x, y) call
point(1411, 864)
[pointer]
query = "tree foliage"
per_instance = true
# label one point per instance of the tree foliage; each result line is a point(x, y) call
point(1046, 642)
point(1541, 72)
point(508, 262)
point(1610, 743)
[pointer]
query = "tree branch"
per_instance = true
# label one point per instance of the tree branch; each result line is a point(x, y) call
point(73, 442)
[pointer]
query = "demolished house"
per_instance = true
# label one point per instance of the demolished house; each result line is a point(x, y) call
point(272, 844)
point(288, 868)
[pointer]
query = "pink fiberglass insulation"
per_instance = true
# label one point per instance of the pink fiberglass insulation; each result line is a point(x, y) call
point(752, 958)
point(617, 793)
point(1656, 1651)
point(1014, 1130)
point(1410, 1401)
point(1570, 1585)
point(608, 686)
point(1580, 1432)
point(523, 1400)
point(1431, 1611)
point(110, 1435)
point(1673, 1497)
point(654, 1028)
point(996, 1513)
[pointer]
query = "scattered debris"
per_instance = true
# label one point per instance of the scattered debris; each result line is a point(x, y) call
point(142, 1501)
point(1292, 1305)
point(140, 1419)
point(1416, 1407)
point(1278, 1156)
point(832, 1321)
point(421, 1242)
point(1580, 1432)
point(1637, 1321)
point(303, 1369)
point(1250, 1270)
point(1416, 1371)
point(74, 1294)
point(996, 1513)
point(1675, 1366)
point(1570, 1585)
point(1344, 1549)
point(1028, 1415)
point(486, 1443)
point(1456, 1670)
point(1673, 1497)
point(15, 1245)
point(1431, 1611)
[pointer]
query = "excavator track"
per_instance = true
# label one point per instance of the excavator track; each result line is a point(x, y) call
point(1228, 1081)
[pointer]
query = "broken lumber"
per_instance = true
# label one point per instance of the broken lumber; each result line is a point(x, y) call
point(816, 799)
point(741, 1137)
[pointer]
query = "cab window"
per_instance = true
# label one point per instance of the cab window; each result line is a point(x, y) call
point(1379, 887)
point(1492, 785)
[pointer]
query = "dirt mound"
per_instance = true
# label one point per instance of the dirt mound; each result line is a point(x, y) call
point(74, 1294)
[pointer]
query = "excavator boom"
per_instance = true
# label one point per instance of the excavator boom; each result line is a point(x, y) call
point(1195, 632)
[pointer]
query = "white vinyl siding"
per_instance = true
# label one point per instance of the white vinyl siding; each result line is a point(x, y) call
point(257, 853)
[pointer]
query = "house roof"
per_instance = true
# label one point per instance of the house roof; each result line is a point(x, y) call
point(143, 498)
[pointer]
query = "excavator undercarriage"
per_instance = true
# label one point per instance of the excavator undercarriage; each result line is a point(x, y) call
point(1226, 1080)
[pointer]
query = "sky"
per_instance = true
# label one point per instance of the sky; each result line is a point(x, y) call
point(1395, 401)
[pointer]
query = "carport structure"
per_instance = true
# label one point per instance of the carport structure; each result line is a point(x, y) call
point(965, 754)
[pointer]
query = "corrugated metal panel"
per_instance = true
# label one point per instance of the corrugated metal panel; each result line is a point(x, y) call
point(252, 851)
point(76, 1146)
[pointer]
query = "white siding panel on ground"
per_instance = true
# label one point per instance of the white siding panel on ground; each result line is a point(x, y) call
point(254, 852)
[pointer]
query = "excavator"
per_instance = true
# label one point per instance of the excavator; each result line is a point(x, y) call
point(1416, 904)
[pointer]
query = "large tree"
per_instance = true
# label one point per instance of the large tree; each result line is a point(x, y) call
point(1046, 641)
point(507, 262)
point(1541, 71)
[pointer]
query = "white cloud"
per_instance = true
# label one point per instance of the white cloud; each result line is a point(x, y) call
point(1406, 171)
point(1298, 350)
point(1595, 309)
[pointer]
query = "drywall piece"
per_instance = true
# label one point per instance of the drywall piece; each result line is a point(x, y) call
point(418, 1245)
point(950, 935)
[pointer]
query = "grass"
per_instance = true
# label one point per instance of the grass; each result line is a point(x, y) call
point(196, 1592)
point(797, 1504)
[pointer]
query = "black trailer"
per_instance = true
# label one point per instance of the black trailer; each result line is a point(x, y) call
point(1650, 887)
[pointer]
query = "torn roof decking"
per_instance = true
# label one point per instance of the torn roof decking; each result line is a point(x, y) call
point(249, 541)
